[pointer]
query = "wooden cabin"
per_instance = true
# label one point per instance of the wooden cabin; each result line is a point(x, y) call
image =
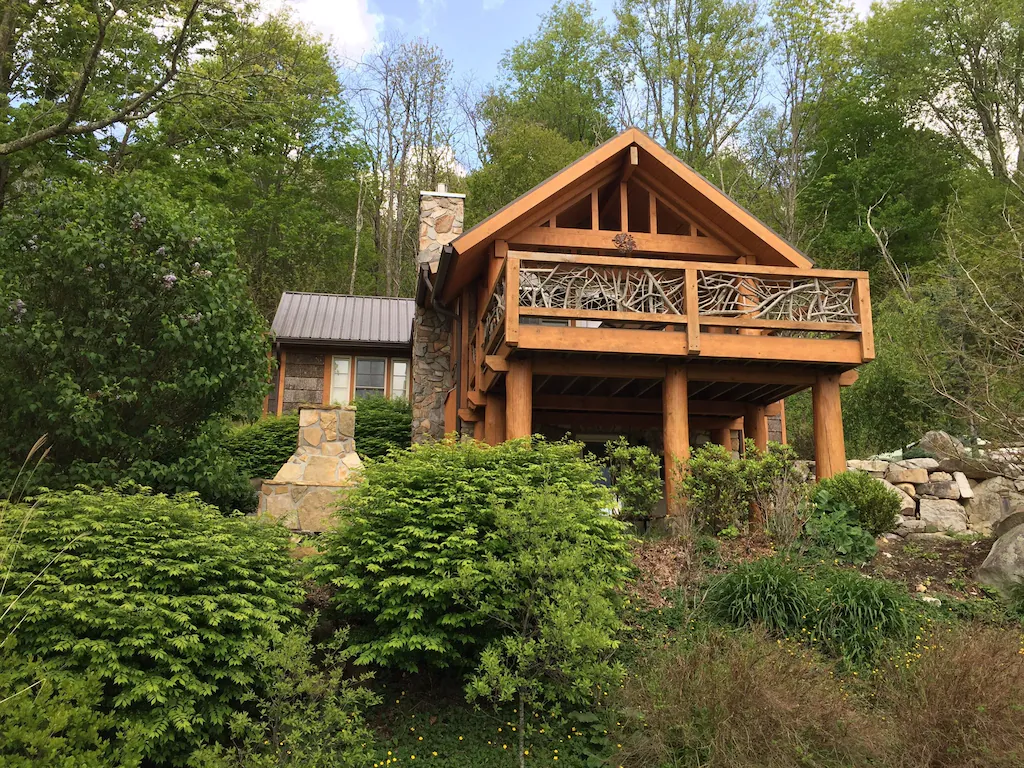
point(629, 295)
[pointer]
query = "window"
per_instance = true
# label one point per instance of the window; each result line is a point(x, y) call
point(399, 378)
point(340, 377)
point(371, 373)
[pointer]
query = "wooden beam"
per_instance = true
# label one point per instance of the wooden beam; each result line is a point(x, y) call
point(829, 446)
point(652, 211)
point(496, 363)
point(633, 405)
point(595, 213)
point(512, 299)
point(782, 349)
point(602, 239)
point(862, 300)
point(755, 425)
point(470, 414)
point(676, 419)
point(557, 366)
point(450, 413)
point(476, 398)
point(519, 399)
point(495, 266)
point(692, 308)
point(602, 314)
point(280, 382)
point(479, 430)
point(723, 437)
point(632, 161)
point(621, 341)
point(494, 420)
point(848, 378)
point(623, 207)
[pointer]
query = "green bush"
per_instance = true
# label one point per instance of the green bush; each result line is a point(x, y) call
point(717, 488)
point(382, 424)
point(856, 617)
point(769, 592)
point(833, 527)
point(635, 478)
point(126, 328)
point(163, 599)
point(261, 448)
point(419, 527)
point(876, 507)
point(52, 718)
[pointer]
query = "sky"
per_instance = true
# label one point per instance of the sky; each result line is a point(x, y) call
point(473, 34)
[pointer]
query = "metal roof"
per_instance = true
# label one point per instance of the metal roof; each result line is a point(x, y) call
point(334, 318)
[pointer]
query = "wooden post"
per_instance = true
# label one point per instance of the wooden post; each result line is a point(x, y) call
point(829, 447)
point(519, 399)
point(692, 310)
point(722, 437)
point(478, 430)
point(755, 425)
point(280, 384)
point(494, 419)
point(675, 408)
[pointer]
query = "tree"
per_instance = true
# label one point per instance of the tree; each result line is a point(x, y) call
point(558, 77)
point(125, 329)
point(690, 71)
point(406, 122)
point(63, 73)
point(555, 574)
point(275, 158)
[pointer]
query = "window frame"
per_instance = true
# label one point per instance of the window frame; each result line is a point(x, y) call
point(355, 374)
point(406, 392)
point(351, 369)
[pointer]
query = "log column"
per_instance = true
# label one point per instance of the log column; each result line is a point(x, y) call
point(755, 425)
point(829, 447)
point(519, 399)
point(722, 437)
point(676, 409)
point(494, 419)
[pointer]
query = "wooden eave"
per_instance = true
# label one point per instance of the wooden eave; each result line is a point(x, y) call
point(721, 216)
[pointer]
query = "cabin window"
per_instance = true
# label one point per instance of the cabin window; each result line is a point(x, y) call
point(371, 376)
point(399, 378)
point(341, 368)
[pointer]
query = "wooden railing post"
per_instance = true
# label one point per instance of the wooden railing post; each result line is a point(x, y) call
point(512, 300)
point(862, 306)
point(692, 303)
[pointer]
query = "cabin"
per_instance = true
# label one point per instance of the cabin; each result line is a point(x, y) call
point(627, 295)
point(332, 349)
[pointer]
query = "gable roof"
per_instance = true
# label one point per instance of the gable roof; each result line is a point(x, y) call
point(713, 210)
point(330, 317)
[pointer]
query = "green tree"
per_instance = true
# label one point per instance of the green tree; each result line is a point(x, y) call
point(125, 330)
point(556, 571)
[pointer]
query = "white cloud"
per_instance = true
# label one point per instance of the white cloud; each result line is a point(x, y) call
point(350, 25)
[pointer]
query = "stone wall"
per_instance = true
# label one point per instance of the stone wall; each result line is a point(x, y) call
point(441, 221)
point(303, 379)
point(304, 490)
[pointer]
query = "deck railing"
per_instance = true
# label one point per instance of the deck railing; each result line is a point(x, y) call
point(599, 303)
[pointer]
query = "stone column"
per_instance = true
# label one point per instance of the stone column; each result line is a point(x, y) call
point(433, 375)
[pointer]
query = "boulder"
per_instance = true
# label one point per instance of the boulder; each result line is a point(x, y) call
point(928, 464)
point(940, 490)
point(975, 469)
point(966, 489)
point(943, 514)
point(908, 488)
point(909, 525)
point(897, 474)
point(1004, 565)
point(994, 499)
point(907, 504)
point(941, 444)
point(1007, 524)
point(939, 477)
point(927, 536)
point(871, 466)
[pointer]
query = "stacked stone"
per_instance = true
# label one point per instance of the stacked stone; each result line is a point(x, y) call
point(441, 221)
point(305, 489)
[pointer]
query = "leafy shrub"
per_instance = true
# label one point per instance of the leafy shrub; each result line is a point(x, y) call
point(163, 599)
point(876, 507)
point(551, 587)
point(1016, 596)
point(769, 592)
point(308, 713)
point(833, 527)
point(419, 527)
point(717, 488)
point(778, 491)
point(856, 617)
point(728, 700)
point(635, 478)
point(260, 449)
point(382, 424)
point(125, 329)
point(49, 718)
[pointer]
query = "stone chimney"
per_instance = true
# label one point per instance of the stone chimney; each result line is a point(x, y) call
point(441, 220)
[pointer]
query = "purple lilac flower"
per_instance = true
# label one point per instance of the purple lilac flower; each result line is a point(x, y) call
point(169, 280)
point(17, 309)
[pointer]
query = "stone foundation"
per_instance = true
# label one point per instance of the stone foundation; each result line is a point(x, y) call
point(304, 491)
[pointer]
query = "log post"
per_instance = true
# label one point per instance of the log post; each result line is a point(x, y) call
point(755, 425)
point(494, 419)
point(677, 431)
point(829, 447)
point(519, 399)
point(722, 437)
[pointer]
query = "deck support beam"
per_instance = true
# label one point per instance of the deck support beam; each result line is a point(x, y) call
point(676, 418)
point(755, 426)
point(494, 419)
point(829, 447)
point(519, 399)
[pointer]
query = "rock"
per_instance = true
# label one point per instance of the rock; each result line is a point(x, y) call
point(943, 514)
point(941, 444)
point(889, 536)
point(929, 600)
point(908, 488)
point(1007, 524)
point(940, 490)
point(907, 504)
point(939, 477)
point(928, 464)
point(307, 417)
point(897, 474)
point(994, 499)
point(871, 466)
point(976, 469)
point(908, 526)
point(966, 490)
point(922, 588)
point(927, 536)
point(1004, 565)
